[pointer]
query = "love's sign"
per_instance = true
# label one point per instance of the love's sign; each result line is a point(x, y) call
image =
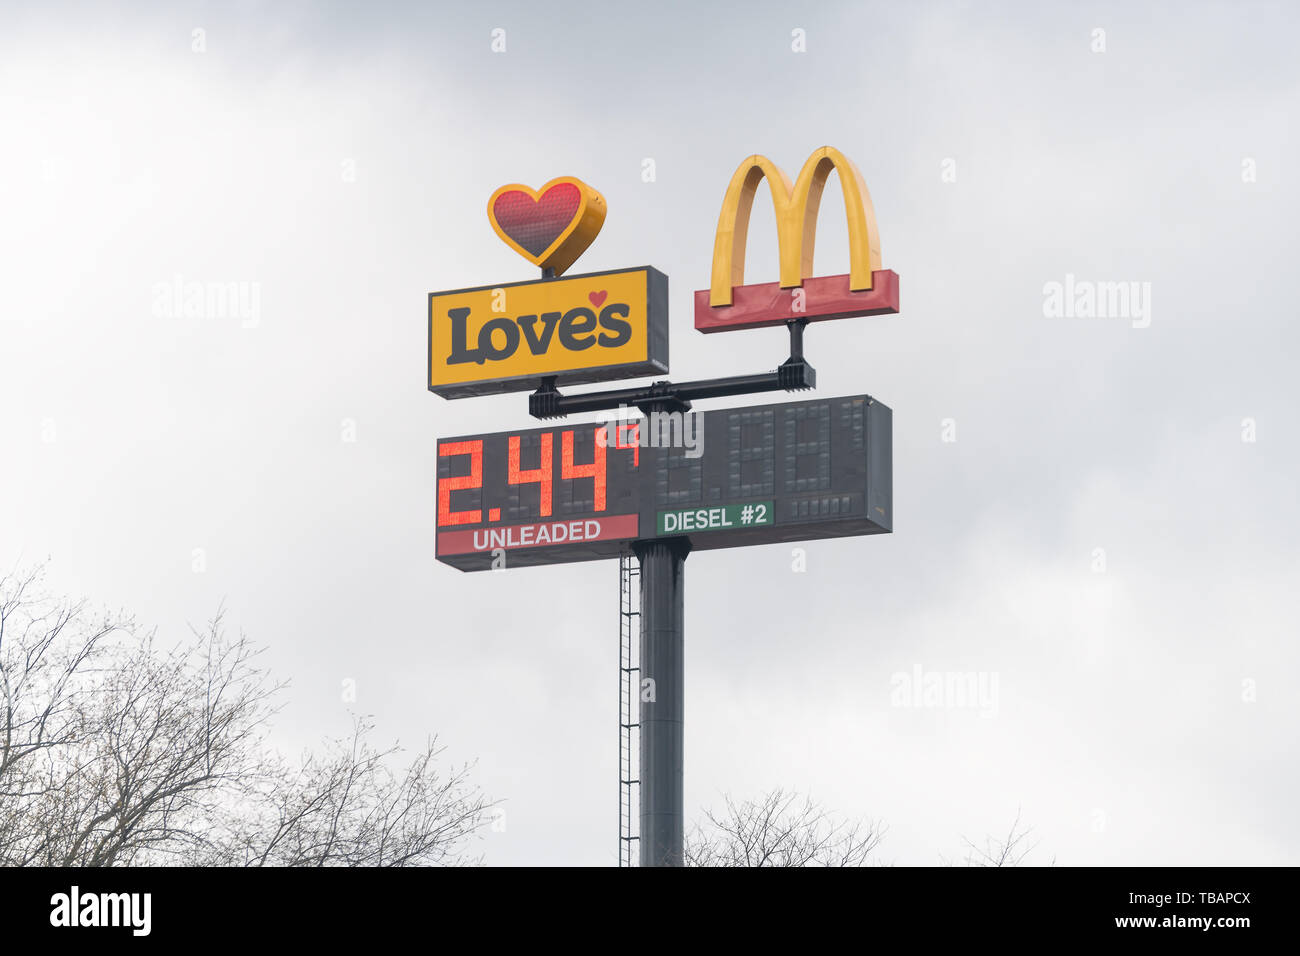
point(586, 328)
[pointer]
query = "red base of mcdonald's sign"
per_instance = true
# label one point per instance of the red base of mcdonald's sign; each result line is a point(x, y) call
point(828, 297)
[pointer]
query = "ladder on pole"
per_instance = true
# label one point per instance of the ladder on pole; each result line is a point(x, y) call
point(629, 725)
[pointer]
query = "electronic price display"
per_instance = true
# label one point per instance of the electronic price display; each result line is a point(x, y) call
point(726, 478)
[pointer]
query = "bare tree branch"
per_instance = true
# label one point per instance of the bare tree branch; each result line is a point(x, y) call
point(780, 830)
point(1010, 850)
point(115, 751)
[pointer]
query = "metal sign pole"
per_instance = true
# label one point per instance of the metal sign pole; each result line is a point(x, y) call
point(663, 565)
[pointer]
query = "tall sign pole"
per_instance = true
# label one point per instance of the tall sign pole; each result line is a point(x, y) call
point(663, 683)
point(770, 473)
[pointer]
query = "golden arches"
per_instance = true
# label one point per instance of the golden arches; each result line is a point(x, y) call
point(796, 221)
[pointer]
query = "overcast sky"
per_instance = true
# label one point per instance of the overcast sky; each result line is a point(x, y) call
point(337, 159)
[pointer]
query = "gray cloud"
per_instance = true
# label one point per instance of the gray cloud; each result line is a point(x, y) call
point(1121, 727)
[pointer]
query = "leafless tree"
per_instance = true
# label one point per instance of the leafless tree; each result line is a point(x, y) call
point(115, 750)
point(1010, 850)
point(780, 829)
point(347, 808)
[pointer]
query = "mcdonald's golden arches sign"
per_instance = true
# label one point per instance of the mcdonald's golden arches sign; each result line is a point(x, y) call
point(866, 289)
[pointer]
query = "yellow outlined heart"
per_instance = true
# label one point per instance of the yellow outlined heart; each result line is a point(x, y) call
point(550, 227)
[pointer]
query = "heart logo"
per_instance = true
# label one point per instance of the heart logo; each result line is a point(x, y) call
point(598, 298)
point(550, 227)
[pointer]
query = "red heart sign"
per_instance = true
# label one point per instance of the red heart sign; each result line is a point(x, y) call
point(536, 223)
point(549, 227)
point(598, 298)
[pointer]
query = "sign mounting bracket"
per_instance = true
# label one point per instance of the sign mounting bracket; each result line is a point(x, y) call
point(792, 375)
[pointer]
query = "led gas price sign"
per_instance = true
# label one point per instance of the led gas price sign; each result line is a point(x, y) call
point(724, 478)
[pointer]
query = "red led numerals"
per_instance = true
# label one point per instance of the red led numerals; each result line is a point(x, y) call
point(629, 436)
point(473, 480)
point(542, 474)
point(595, 470)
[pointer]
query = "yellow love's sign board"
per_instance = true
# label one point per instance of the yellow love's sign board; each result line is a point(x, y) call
point(587, 328)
